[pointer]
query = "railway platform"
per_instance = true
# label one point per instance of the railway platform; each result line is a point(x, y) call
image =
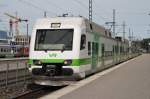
point(129, 80)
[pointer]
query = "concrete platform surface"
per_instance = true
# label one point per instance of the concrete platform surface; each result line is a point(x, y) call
point(130, 80)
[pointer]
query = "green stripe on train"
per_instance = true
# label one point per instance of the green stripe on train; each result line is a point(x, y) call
point(75, 62)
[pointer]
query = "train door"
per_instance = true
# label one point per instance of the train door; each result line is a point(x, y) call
point(95, 47)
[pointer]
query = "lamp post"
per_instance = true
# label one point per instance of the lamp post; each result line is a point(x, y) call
point(27, 33)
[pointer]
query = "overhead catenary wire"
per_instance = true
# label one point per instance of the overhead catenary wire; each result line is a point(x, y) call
point(42, 9)
point(55, 5)
point(77, 5)
point(35, 6)
point(81, 4)
point(86, 8)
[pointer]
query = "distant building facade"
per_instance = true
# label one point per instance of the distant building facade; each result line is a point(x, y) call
point(22, 40)
point(3, 34)
point(3, 37)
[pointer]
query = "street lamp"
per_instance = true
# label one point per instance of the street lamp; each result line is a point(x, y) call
point(27, 33)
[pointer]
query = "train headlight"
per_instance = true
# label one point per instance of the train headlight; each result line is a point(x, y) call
point(37, 62)
point(67, 62)
point(29, 66)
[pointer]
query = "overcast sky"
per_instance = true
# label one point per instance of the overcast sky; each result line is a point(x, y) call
point(133, 12)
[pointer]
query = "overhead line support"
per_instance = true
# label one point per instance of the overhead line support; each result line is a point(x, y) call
point(90, 10)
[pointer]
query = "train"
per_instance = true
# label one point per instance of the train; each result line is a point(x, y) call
point(20, 51)
point(8, 51)
point(66, 49)
point(5, 50)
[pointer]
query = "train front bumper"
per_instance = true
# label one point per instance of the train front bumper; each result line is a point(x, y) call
point(69, 75)
point(55, 81)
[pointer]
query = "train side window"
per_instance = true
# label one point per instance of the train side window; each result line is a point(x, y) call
point(113, 50)
point(4, 50)
point(1, 49)
point(89, 48)
point(97, 48)
point(83, 42)
point(122, 49)
point(91, 27)
point(105, 33)
point(103, 50)
point(117, 50)
point(109, 34)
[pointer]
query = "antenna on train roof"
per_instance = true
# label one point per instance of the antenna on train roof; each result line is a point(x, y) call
point(80, 16)
point(45, 14)
point(65, 15)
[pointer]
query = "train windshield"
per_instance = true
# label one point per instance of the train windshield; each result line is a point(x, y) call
point(54, 39)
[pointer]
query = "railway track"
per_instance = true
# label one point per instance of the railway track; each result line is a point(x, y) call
point(27, 91)
point(23, 89)
point(37, 91)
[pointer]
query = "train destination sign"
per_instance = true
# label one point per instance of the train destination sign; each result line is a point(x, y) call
point(55, 25)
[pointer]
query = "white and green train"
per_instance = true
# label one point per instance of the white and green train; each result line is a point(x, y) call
point(63, 49)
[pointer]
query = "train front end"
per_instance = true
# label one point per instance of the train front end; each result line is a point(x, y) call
point(54, 51)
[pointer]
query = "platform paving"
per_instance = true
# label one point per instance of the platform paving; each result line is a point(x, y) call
point(129, 81)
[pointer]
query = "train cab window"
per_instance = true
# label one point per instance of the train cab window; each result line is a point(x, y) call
point(54, 39)
point(89, 48)
point(83, 42)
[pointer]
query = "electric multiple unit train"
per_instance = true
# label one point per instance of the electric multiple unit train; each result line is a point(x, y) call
point(63, 49)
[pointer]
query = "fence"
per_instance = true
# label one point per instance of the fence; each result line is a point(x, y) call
point(13, 72)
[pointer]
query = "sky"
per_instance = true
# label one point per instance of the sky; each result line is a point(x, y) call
point(135, 13)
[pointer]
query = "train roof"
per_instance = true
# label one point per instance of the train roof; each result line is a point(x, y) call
point(68, 20)
point(71, 20)
point(76, 21)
